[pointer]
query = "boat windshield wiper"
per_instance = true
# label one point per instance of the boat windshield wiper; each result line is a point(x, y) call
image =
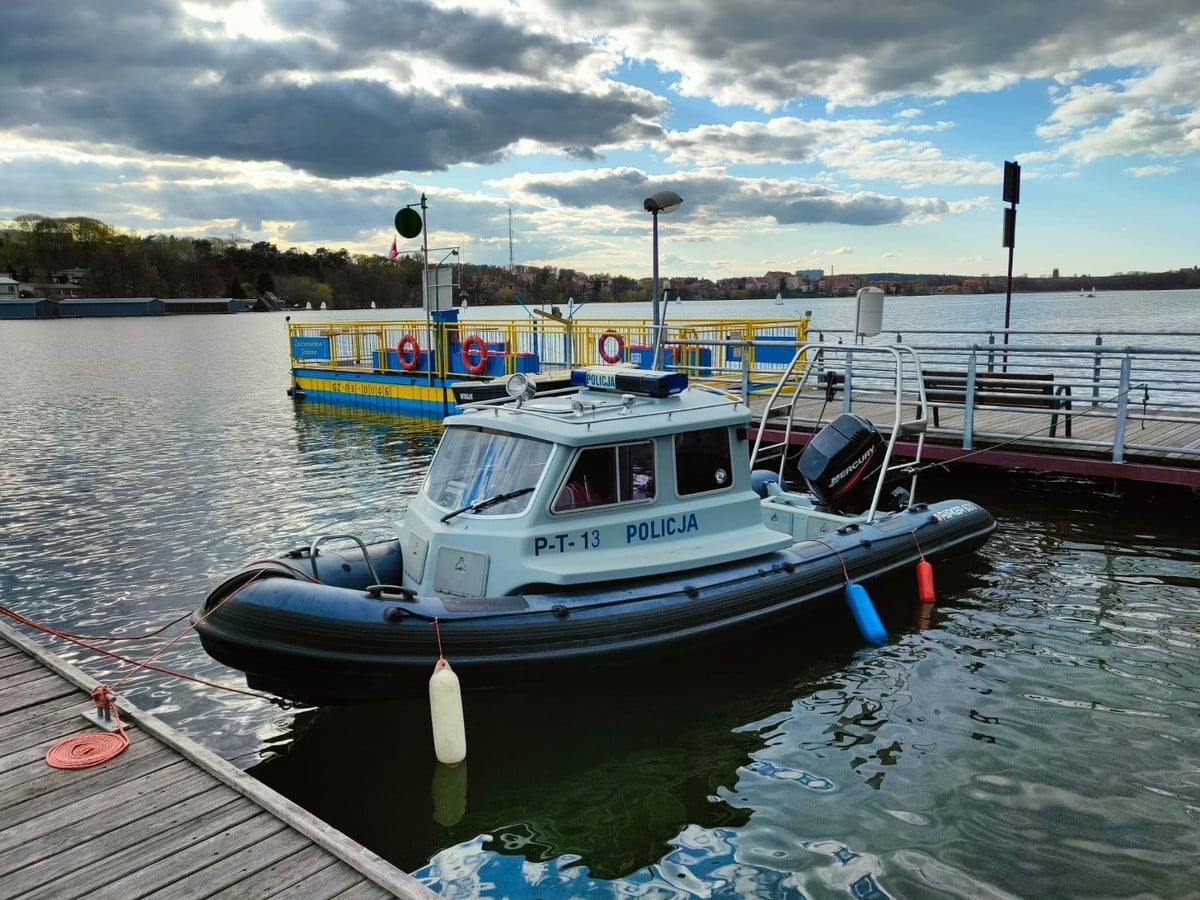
point(486, 502)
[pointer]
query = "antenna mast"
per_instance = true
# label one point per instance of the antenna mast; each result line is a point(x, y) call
point(511, 266)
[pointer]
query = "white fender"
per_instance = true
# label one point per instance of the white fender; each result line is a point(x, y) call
point(446, 713)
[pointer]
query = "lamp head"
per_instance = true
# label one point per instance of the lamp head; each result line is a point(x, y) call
point(520, 388)
point(662, 202)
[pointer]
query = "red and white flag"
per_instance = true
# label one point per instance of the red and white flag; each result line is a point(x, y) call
point(392, 254)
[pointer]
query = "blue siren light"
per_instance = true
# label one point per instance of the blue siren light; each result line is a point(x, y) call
point(648, 383)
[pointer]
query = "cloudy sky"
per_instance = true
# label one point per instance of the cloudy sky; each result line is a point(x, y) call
point(846, 135)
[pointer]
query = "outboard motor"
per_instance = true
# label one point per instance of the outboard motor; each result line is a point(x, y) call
point(841, 463)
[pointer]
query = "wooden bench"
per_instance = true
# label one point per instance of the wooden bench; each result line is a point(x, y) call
point(1023, 389)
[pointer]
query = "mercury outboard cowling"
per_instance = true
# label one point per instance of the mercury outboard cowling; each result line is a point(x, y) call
point(841, 463)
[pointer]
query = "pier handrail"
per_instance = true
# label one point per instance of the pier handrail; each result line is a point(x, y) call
point(1114, 393)
point(1126, 389)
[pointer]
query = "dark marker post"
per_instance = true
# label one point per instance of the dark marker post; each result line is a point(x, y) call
point(1012, 196)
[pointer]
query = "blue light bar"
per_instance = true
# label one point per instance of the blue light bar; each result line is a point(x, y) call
point(647, 382)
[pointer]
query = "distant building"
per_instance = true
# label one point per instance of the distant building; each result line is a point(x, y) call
point(76, 275)
point(189, 305)
point(844, 285)
point(27, 308)
point(8, 287)
point(55, 290)
point(111, 306)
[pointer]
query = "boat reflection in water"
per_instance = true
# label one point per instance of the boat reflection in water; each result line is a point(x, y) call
point(651, 776)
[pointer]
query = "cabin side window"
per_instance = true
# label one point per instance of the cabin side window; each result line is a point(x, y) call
point(703, 461)
point(602, 476)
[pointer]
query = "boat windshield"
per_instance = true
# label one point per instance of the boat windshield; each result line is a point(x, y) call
point(473, 465)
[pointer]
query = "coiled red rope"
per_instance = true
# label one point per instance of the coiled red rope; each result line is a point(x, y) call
point(84, 750)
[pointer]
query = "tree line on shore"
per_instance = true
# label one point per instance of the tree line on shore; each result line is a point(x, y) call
point(111, 263)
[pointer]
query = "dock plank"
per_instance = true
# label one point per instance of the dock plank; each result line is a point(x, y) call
point(361, 891)
point(241, 870)
point(34, 788)
point(23, 675)
point(165, 816)
point(330, 882)
point(66, 828)
point(189, 871)
point(72, 874)
point(29, 694)
point(21, 732)
point(300, 869)
point(14, 664)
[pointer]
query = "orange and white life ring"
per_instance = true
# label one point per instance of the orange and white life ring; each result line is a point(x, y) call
point(474, 342)
point(603, 343)
point(408, 351)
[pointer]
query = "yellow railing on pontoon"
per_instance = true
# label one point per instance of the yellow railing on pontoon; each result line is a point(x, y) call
point(710, 350)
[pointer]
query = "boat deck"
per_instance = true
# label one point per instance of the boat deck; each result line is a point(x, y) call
point(165, 818)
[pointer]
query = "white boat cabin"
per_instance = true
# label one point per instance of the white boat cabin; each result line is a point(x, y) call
point(633, 475)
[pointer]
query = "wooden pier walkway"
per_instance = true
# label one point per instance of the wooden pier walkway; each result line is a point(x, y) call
point(1152, 446)
point(1120, 406)
point(164, 819)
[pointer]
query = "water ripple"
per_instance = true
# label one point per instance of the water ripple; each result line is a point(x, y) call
point(1033, 736)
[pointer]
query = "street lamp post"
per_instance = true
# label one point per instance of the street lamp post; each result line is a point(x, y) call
point(662, 202)
point(410, 223)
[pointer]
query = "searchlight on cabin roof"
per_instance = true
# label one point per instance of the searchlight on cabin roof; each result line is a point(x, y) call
point(520, 387)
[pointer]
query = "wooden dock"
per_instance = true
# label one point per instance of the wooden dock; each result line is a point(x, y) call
point(1119, 406)
point(1151, 446)
point(165, 819)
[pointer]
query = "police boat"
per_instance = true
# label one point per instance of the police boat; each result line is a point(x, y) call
point(634, 517)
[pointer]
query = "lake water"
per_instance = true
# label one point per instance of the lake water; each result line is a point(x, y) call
point(1035, 734)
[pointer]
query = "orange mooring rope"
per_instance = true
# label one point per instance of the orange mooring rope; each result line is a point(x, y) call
point(79, 641)
point(94, 748)
point(82, 751)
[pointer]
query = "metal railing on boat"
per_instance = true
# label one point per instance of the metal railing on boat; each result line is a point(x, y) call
point(894, 374)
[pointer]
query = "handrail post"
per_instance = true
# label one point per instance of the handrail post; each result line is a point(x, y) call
point(1122, 410)
point(969, 403)
point(848, 384)
point(1096, 371)
point(745, 372)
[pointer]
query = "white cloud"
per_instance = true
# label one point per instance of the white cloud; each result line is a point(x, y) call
point(1151, 171)
point(297, 119)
